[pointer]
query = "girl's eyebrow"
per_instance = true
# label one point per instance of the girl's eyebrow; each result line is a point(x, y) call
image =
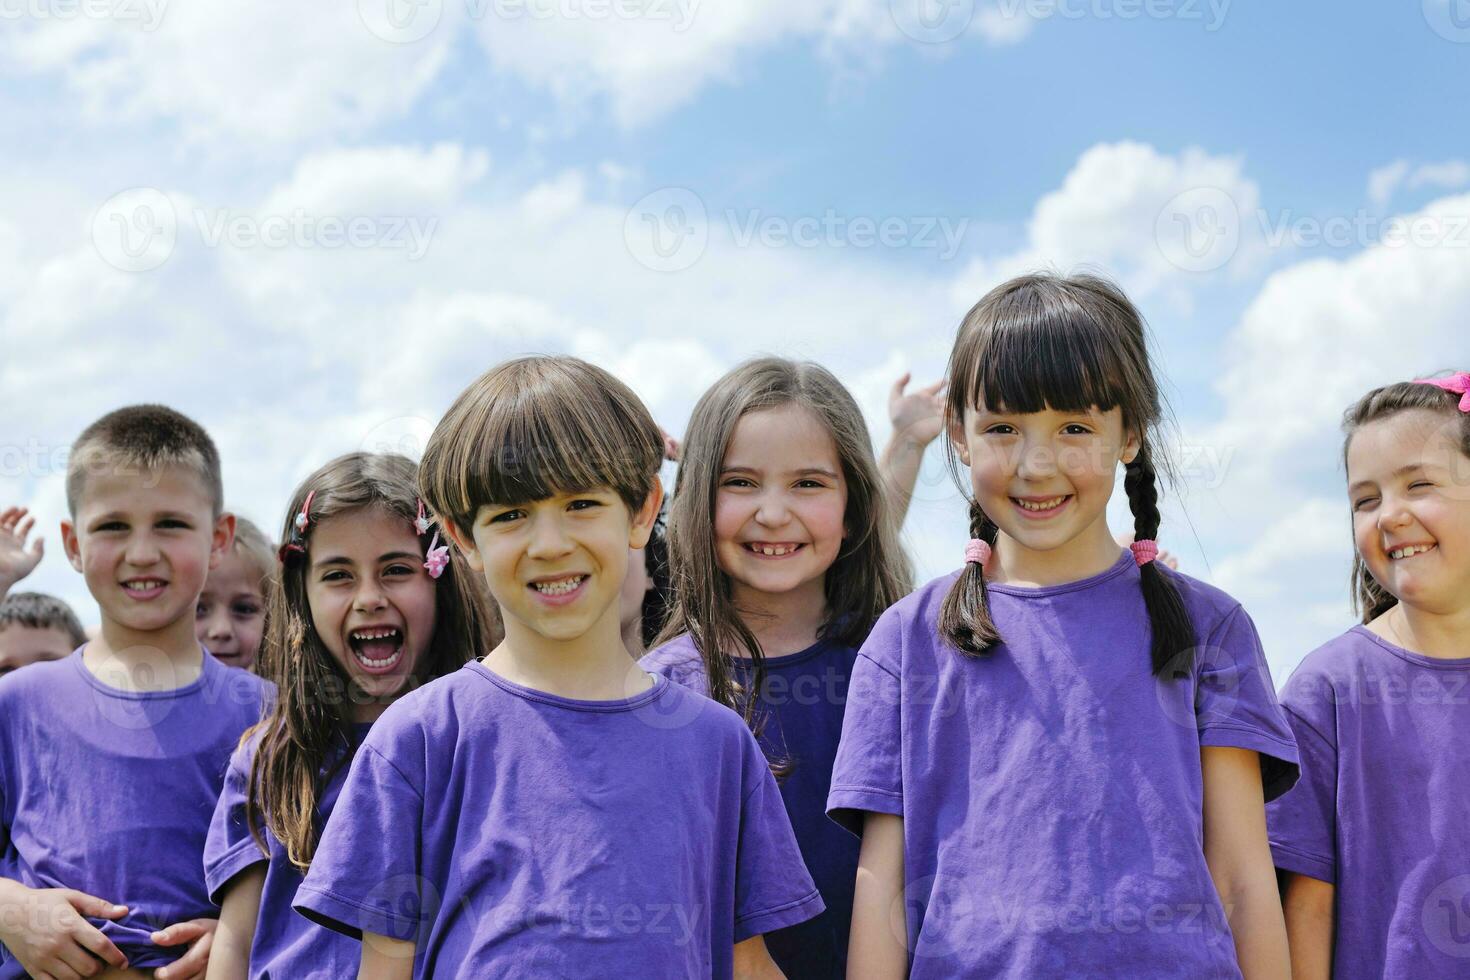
point(344, 560)
point(804, 471)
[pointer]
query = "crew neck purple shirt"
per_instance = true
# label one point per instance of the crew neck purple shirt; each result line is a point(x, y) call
point(286, 946)
point(805, 696)
point(1383, 809)
point(1051, 790)
point(511, 832)
point(110, 792)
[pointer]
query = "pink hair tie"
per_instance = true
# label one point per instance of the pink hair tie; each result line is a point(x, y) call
point(977, 551)
point(1144, 551)
point(437, 558)
point(1457, 384)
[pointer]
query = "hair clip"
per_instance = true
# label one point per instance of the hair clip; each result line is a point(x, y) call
point(1144, 551)
point(437, 558)
point(978, 552)
point(297, 544)
point(1456, 384)
point(423, 522)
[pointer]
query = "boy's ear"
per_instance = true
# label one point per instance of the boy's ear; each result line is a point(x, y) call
point(223, 541)
point(466, 548)
point(71, 544)
point(642, 527)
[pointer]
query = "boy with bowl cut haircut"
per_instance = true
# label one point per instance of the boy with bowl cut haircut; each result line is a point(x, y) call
point(552, 810)
point(111, 759)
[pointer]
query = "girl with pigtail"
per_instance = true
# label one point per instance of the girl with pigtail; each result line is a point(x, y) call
point(368, 604)
point(1058, 758)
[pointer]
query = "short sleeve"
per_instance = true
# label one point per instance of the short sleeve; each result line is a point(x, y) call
point(365, 875)
point(867, 775)
point(773, 888)
point(1235, 702)
point(230, 849)
point(1303, 823)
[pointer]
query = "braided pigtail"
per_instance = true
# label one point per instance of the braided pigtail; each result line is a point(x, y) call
point(964, 617)
point(1173, 633)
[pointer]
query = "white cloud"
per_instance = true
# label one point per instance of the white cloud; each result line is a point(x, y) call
point(1449, 175)
point(270, 75)
point(1385, 180)
point(262, 74)
point(1319, 335)
point(1135, 212)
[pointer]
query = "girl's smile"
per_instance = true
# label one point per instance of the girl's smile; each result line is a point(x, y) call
point(780, 503)
point(372, 602)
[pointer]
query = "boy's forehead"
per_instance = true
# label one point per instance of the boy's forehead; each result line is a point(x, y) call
point(121, 487)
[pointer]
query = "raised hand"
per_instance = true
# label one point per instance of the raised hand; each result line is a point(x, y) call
point(918, 416)
point(16, 560)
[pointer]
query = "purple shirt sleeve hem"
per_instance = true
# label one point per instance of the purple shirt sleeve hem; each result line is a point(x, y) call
point(1296, 862)
point(760, 923)
point(1280, 764)
point(846, 806)
point(218, 874)
point(349, 918)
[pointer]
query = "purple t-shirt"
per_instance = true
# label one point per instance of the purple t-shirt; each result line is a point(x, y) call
point(286, 946)
point(510, 832)
point(110, 792)
point(1383, 808)
point(1052, 790)
point(805, 694)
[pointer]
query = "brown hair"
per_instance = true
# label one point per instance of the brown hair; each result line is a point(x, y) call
point(870, 572)
point(39, 611)
point(1068, 343)
point(146, 438)
point(534, 427)
point(252, 545)
point(306, 736)
point(1371, 600)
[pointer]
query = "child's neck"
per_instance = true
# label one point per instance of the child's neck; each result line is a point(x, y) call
point(145, 660)
point(1090, 553)
point(1443, 636)
point(783, 622)
point(592, 667)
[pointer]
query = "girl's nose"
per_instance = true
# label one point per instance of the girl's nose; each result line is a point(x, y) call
point(219, 627)
point(369, 597)
point(1393, 514)
point(1036, 462)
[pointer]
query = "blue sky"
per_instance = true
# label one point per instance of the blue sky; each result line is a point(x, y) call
point(525, 147)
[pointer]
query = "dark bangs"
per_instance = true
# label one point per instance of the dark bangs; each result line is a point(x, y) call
point(1028, 346)
point(535, 427)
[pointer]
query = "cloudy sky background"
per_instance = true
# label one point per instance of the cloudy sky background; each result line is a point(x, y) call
point(310, 225)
